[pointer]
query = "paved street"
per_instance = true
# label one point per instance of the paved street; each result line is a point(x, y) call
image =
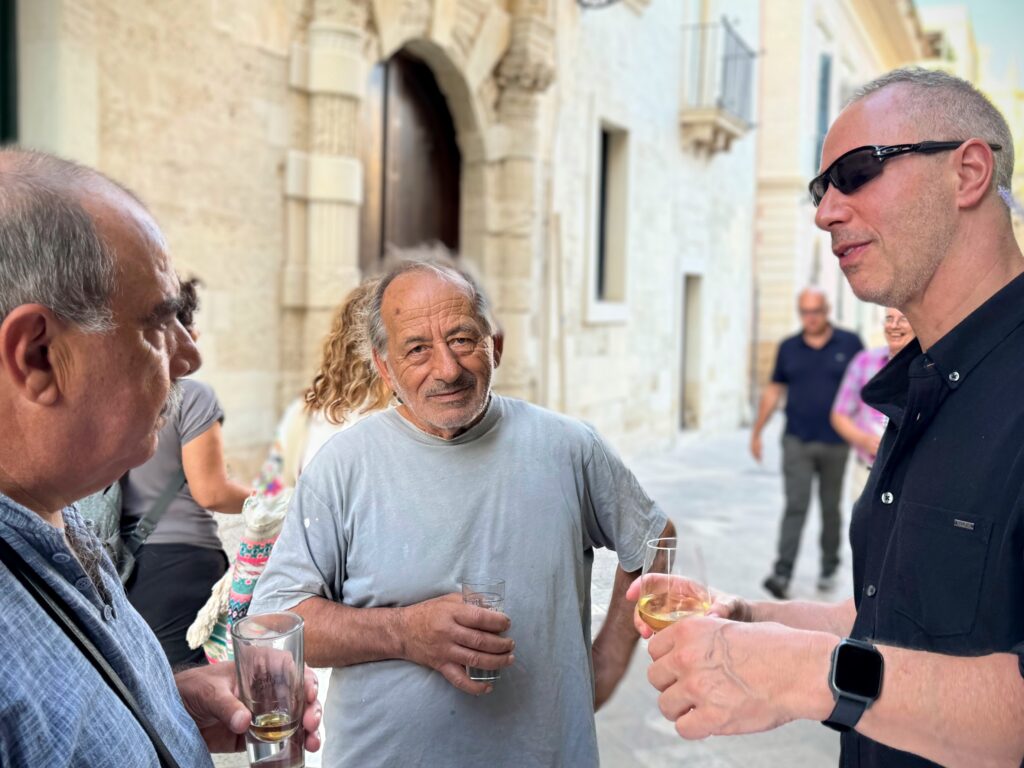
point(713, 490)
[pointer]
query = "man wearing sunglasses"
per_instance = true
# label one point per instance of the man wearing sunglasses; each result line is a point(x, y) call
point(925, 664)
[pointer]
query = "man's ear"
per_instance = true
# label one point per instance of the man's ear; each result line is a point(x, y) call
point(26, 337)
point(499, 346)
point(974, 172)
point(382, 369)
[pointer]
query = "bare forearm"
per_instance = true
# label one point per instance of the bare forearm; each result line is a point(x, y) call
point(846, 429)
point(834, 618)
point(617, 637)
point(227, 498)
point(339, 635)
point(769, 402)
point(952, 710)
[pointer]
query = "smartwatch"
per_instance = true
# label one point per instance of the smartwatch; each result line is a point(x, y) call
point(855, 678)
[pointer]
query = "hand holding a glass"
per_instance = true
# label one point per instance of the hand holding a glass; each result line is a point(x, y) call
point(210, 695)
point(673, 586)
point(270, 663)
point(450, 635)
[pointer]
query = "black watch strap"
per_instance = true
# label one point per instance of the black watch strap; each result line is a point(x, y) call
point(846, 715)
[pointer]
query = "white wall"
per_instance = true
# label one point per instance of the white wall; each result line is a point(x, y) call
point(688, 213)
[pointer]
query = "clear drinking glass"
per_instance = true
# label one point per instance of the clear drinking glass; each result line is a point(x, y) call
point(673, 584)
point(270, 666)
point(484, 593)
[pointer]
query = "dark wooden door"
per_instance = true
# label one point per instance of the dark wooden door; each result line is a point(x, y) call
point(411, 162)
point(8, 72)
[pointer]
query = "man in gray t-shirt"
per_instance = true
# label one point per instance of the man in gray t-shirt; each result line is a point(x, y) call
point(457, 482)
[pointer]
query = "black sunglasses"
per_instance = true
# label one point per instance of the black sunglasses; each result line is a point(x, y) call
point(854, 169)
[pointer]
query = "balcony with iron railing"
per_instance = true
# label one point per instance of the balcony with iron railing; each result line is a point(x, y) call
point(718, 86)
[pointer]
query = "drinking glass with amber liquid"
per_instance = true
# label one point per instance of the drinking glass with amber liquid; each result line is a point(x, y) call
point(269, 662)
point(673, 584)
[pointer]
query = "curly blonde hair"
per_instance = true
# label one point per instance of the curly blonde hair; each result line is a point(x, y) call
point(347, 381)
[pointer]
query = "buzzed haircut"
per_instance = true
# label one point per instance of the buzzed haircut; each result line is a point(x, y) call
point(950, 109)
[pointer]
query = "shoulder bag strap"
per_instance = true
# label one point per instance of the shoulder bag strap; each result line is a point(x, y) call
point(54, 606)
point(148, 522)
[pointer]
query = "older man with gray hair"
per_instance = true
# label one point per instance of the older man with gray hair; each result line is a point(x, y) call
point(89, 352)
point(924, 665)
point(457, 481)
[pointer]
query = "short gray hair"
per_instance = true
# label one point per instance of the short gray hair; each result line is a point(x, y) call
point(434, 258)
point(50, 251)
point(953, 109)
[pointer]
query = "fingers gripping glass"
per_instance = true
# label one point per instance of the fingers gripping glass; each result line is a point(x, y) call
point(673, 584)
point(854, 169)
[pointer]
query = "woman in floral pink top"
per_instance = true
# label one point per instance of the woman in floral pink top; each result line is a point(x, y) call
point(858, 424)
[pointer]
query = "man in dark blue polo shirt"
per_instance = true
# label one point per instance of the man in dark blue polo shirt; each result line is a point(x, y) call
point(925, 664)
point(808, 371)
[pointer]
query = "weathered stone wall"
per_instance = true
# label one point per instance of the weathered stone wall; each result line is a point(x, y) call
point(688, 213)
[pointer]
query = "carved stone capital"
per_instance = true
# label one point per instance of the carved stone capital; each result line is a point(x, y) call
point(529, 63)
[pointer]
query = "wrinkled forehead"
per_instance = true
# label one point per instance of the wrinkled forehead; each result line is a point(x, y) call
point(143, 266)
point(425, 296)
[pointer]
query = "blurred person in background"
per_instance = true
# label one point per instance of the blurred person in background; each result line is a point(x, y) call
point(183, 557)
point(857, 423)
point(808, 369)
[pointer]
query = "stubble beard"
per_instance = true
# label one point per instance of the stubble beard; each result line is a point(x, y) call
point(929, 235)
point(458, 420)
point(175, 396)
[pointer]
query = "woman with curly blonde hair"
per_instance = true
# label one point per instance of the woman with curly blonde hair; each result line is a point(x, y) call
point(347, 383)
point(345, 389)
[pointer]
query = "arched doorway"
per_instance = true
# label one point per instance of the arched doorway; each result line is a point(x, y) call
point(411, 162)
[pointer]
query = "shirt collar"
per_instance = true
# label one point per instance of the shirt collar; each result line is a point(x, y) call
point(491, 417)
point(958, 352)
point(955, 355)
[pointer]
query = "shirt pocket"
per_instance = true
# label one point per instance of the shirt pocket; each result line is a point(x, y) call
point(938, 561)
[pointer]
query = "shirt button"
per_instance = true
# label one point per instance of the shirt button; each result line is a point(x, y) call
point(954, 376)
point(61, 559)
point(887, 498)
point(83, 584)
point(108, 612)
point(870, 590)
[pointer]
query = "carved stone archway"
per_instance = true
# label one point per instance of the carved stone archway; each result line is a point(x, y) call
point(493, 60)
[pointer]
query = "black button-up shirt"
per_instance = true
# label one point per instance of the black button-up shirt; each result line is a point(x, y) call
point(938, 534)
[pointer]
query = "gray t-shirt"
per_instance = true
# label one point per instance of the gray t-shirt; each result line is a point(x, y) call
point(184, 522)
point(387, 515)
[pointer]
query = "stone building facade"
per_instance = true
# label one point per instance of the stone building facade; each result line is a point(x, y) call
point(605, 195)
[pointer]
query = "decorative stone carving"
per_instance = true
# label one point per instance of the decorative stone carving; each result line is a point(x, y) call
point(530, 62)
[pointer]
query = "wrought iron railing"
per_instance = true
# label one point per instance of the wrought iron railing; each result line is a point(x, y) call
point(718, 70)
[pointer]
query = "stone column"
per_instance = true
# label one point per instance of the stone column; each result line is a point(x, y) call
point(324, 183)
point(516, 261)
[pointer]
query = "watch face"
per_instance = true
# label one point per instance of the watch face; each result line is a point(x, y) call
point(858, 671)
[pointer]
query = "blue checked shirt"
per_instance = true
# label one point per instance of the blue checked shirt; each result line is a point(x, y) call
point(55, 709)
